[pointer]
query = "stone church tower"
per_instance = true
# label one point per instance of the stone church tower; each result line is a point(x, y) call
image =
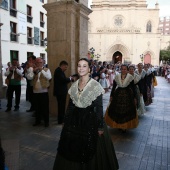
point(125, 30)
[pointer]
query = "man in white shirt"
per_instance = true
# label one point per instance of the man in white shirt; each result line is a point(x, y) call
point(14, 75)
point(41, 80)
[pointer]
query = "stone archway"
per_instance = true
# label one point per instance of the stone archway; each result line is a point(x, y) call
point(118, 50)
point(117, 57)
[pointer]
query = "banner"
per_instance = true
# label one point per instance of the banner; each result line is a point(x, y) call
point(22, 23)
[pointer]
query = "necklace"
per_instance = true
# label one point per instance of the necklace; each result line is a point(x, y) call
point(83, 84)
point(123, 77)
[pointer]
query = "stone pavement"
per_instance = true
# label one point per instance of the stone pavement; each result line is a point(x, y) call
point(145, 148)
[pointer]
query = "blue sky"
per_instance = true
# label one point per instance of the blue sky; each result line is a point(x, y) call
point(164, 6)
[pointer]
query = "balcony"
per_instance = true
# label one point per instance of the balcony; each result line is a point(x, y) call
point(42, 43)
point(29, 40)
point(29, 18)
point(13, 12)
point(14, 37)
point(42, 24)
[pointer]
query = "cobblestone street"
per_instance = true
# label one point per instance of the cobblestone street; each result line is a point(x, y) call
point(145, 148)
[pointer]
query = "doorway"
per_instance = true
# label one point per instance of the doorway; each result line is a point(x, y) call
point(117, 57)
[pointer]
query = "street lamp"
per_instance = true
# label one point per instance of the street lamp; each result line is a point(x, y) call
point(141, 57)
point(97, 56)
point(92, 50)
point(45, 41)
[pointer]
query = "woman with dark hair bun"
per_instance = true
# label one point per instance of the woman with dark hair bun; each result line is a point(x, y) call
point(122, 113)
point(85, 143)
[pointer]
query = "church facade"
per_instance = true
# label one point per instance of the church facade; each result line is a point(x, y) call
point(124, 31)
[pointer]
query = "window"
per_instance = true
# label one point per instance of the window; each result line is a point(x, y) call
point(13, 34)
point(149, 27)
point(42, 1)
point(41, 19)
point(29, 14)
point(29, 35)
point(42, 38)
point(30, 54)
point(13, 55)
point(13, 11)
point(4, 4)
point(42, 55)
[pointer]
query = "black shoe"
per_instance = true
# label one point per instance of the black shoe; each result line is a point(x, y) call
point(7, 110)
point(36, 124)
point(16, 109)
point(30, 110)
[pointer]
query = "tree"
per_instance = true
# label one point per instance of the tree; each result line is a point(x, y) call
point(165, 54)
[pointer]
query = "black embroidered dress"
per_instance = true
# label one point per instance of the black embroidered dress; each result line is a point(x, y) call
point(80, 147)
point(122, 112)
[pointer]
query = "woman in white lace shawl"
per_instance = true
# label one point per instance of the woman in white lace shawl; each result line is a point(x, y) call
point(84, 142)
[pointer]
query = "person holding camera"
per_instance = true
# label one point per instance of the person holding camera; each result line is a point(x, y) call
point(14, 75)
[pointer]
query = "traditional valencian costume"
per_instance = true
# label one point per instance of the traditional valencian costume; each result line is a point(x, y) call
point(137, 86)
point(121, 112)
point(148, 81)
point(80, 146)
point(143, 91)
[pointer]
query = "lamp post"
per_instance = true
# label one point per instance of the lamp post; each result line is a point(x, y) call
point(97, 56)
point(141, 57)
point(92, 50)
point(1, 78)
point(45, 41)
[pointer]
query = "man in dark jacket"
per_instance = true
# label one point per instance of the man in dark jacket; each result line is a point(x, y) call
point(60, 89)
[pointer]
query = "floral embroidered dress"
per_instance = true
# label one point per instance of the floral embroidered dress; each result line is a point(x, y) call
point(80, 147)
point(121, 112)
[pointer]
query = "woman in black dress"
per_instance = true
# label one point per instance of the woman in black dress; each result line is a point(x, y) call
point(122, 113)
point(85, 143)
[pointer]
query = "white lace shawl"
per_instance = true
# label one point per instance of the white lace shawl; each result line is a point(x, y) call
point(90, 92)
point(125, 82)
point(142, 74)
point(136, 78)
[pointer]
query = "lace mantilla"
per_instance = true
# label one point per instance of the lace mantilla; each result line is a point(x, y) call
point(136, 78)
point(126, 81)
point(90, 92)
point(142, 74)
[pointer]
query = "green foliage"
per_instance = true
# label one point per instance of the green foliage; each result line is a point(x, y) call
point(165, 54)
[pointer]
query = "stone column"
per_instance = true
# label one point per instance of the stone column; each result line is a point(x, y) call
point(67, 37)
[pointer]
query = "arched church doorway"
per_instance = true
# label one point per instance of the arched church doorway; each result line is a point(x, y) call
point(117, 57)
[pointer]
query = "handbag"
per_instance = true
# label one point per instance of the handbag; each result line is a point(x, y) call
point(155, 82)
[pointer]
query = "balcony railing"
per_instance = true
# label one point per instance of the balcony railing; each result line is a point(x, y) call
point(29, 40)
point(13, 12)
point(42, 24)
point(29, 18)
point(14, 37)
point(42, 43)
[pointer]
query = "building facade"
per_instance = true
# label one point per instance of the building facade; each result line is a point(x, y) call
point(125, 31)
point(164, 27)
point(23, 32)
